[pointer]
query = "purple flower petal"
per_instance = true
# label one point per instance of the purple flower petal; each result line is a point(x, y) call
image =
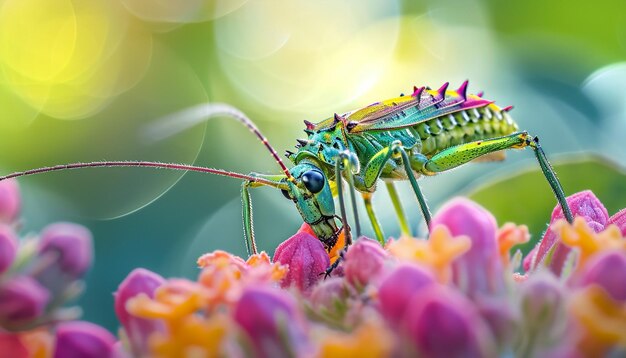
point(608, 270)
point(442, 323)
point(79, 339)
point(73, 244)
point(22, 299)
point(306, 258)
point(398, 287)
point(270, 319)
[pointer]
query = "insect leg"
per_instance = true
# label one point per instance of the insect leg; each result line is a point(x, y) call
point(393, 193)
point(342, 204)
point(367, 198)
point(463, 153)
point(418, 192)
point(246, 207)
point(374, 168)
point(550, 175)
point(347, 167)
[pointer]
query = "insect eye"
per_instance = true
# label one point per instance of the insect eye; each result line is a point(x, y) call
point(313, 180)
point(285, 194)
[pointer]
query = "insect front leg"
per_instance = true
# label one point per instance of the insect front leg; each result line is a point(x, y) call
point(343, 164)
point(246, 206)
point(463, 153)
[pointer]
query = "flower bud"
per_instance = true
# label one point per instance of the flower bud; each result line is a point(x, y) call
point(81, 339)
point(584, 204)
point(137, 329)
point(271, 320)
point(364, 261)
point(397, 288)
point(608, 270)
point(8, 247)
point(329, 292)
point(541, 296)
point(441, 323)
point(619, 219)
point(306, 258)
point(480, 268)
point(543, 311)
point(22, 299)
point(10, 201)
point(73, 245)
point(499, 317)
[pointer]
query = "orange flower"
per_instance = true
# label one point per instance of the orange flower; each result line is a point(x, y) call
point(224, 275)
point(193, 336)
point(602, 317)
point(370, 339)
point(580, 235)
point(508, 236)
point(173, 301)
point(437, 252)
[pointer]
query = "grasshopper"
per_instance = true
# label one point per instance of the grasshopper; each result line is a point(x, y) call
point(425, 133)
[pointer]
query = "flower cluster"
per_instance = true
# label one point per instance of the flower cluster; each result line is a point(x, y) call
point(461, 293)
point(38, 275)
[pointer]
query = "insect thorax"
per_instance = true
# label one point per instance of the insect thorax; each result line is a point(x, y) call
point(325, 145)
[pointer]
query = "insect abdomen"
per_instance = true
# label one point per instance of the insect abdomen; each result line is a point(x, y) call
point(462, 127)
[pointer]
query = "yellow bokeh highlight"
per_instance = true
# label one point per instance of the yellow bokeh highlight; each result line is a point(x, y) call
point(37, 38)
point(277, 54)
point(168, 11)
point(70, 58)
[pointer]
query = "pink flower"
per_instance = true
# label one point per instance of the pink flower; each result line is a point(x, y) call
point(619, 219)
point(272, 321)
point(584, 204)
point(10, 201)
point(139, 281)
point(8, 247)
point(364, 261)
point(442, 323)
point(80, 339)
point(397, 288)
point(22, 299)
point(480, 268)
point(73, 245)
point(306, 258)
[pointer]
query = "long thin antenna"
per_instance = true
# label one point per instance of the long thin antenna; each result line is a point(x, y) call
point(141, 164)
point(177, 122)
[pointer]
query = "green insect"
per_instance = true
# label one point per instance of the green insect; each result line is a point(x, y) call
point(425, 133)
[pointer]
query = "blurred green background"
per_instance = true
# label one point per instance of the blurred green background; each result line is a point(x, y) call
point(82, 80)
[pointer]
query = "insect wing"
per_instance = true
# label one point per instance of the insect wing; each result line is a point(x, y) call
point(408, 111)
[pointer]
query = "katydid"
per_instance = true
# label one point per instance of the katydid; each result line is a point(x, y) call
point(425, 133)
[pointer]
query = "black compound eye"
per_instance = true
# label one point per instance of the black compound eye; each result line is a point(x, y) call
point(313, 180)
point(285, 194)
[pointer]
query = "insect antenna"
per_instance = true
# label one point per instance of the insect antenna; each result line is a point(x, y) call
point(171, 166)
point(187, 118)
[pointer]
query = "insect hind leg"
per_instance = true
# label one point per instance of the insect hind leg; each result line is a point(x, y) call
point(454, 156)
